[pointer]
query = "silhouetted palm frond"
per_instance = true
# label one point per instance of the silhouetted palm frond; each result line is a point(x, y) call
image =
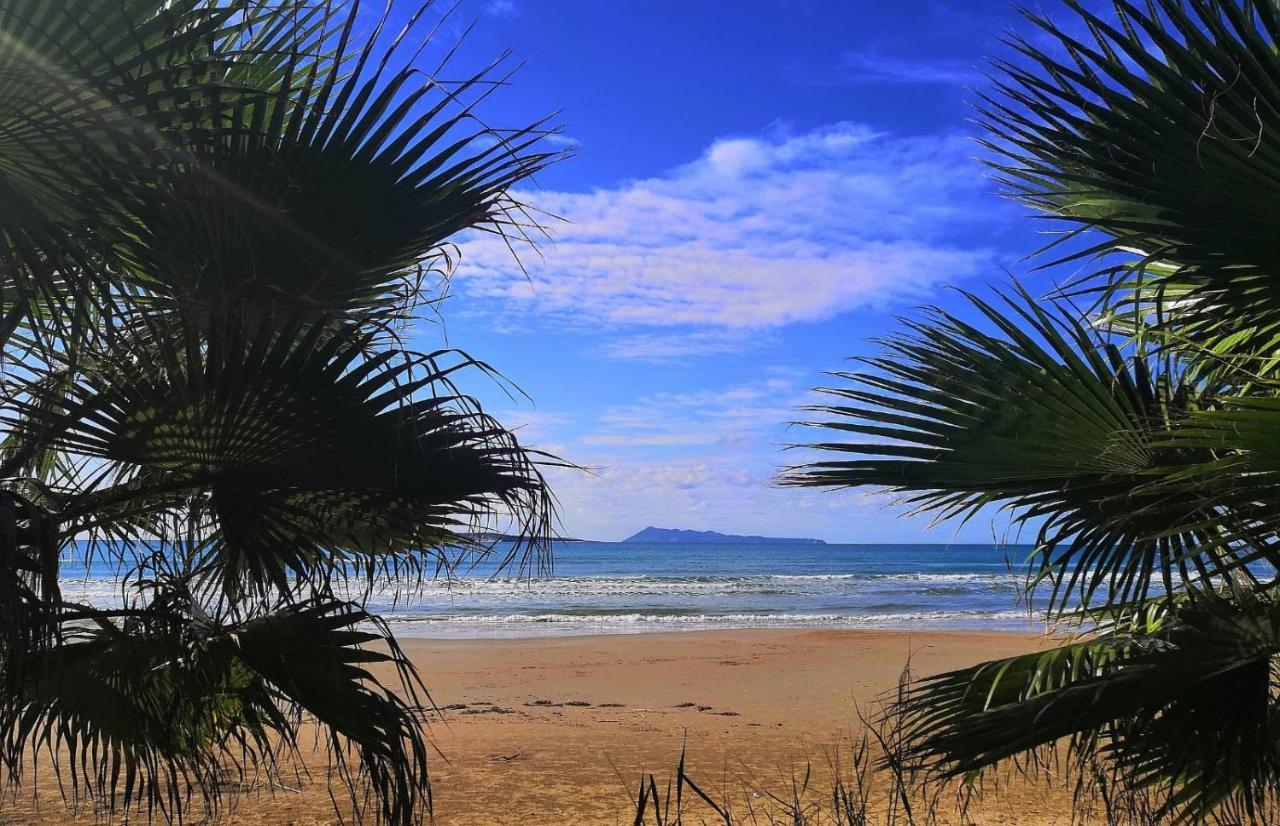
point(1181, 702)
point(289, 452)
point(161, 706)
point(1137, 437)
point(1158, 127)
point(1039, 416)
point(214, 214)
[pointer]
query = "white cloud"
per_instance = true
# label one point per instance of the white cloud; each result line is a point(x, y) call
point(682, 345)
point(728, 494)
point(738, 417)
point(705, 459)
point(560, 139)
point(535, 427)
point(871, 66)
point(620, 497)
point(709, 493)
point(502, 8)
point(756, 234)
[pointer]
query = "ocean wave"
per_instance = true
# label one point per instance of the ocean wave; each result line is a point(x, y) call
point(641, 622)
point(764, 584)
point(759, 590)
point(1001, 576)
point(609, 591)
point(710, 580)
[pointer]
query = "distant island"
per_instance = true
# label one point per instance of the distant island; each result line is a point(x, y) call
point(672, 535)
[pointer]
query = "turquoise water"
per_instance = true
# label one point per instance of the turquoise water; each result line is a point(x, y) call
point(602, 587)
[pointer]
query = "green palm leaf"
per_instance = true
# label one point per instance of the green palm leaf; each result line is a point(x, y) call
point(212, 216)
point(82, 121)
point(1138, 437)
point(1181, 704)
point(293, 454)
point(1039, 417)
point(1158, 129)
point(333, 198)
point(155, 708)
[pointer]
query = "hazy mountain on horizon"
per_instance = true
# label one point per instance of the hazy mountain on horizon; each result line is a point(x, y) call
point(652, 534)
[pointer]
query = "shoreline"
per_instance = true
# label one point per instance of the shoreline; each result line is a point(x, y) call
point(558, 729)
point(785, 629)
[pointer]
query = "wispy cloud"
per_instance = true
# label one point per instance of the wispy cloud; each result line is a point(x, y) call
point(558, 139)
point(682, 345)
point(502, 8)
point(708, 492)
point(705, 459)
point(738, 416)
point(536, 426)
point(873, 67)
point(758, 233)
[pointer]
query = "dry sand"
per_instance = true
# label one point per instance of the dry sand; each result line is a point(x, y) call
point(555, 731)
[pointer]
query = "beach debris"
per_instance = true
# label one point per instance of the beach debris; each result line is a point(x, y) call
point(570, 703)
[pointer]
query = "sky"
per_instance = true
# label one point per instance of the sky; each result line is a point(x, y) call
point(756, 189)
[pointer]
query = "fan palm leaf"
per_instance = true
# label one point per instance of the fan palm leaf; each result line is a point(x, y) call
point(1157, 128)
point(81, 120)
point(213, 216)
point(1181, 701)
point(293, 452)
point(1137, 436)
point(161, 706)
point(1036, 415)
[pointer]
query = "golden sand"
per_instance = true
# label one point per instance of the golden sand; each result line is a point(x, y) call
point(555, 731)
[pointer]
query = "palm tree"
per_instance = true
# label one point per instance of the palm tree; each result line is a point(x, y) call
point(1131, 422)
point(216, 219)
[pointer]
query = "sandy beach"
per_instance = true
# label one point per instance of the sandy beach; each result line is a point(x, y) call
point(553, 731)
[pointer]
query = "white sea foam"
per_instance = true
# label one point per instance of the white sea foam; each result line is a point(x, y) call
point(520, 625)
point(606, 589)
point(618, 586)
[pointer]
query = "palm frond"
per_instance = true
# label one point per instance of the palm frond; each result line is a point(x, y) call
point(1040, 417)
point(1157, 128)
point(292, 453)
point(213, 216)
point(1181, 704)
point(332, 190)
point(202, 154)
point(82, 123)
point(1138, 435)
point(155, 708)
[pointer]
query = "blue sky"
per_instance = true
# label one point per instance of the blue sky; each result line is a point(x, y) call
point(758, 188)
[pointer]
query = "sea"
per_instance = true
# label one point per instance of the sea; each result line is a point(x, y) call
point(626, 588)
